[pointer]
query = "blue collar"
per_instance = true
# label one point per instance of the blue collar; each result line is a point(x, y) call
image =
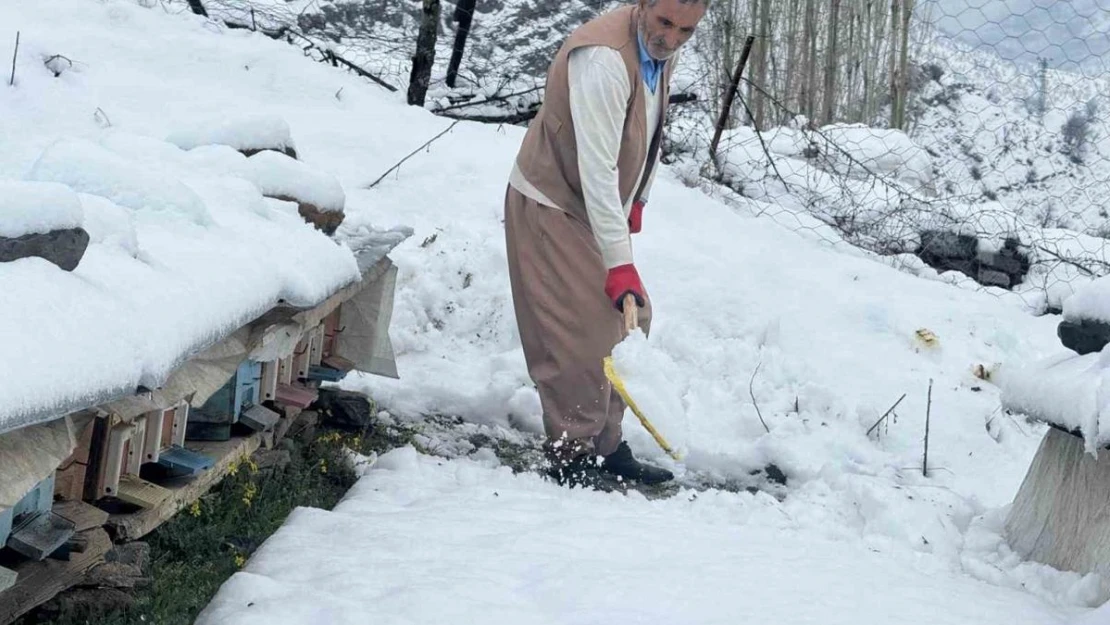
point(650, 68)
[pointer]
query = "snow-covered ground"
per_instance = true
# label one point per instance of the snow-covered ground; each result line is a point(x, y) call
point(823, 336)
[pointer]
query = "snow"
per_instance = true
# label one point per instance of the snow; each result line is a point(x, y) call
point(1068, 390)
point(1090, 302)
point(34, 208)
point(183, 247)
point(242, 132)
point(278, 175)
point(516, 553)
point(760, 309)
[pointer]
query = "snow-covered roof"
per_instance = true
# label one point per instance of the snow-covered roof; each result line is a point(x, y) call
point(184, 249)
point(1064, 391)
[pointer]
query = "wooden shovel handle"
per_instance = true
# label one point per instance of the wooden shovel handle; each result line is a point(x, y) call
point(631, 313)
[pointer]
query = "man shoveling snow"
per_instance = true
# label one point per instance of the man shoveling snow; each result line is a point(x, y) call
point(575, 196)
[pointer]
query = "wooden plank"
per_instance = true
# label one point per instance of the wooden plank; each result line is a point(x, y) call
point(268, 387)
point(152, 443)
point(184, 491)
point(8, 578)
point(180, 419)
point(39, 582)
point(82, 515)
point(139, 492)
point(317, 351)
point(40, 535)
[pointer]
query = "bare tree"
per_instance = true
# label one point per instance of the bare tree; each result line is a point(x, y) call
point(424, 58)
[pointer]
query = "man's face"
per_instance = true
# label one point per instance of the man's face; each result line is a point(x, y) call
point(668, 25)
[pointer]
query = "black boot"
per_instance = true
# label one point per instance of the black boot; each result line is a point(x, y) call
point(581, 471)
point(621, 464)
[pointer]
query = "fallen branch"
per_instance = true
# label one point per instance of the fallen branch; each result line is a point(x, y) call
point(885, 415)
point(494, 98)
point(413, 153)
point(511, 118)
point(928, 411)
point(751, 391)
point(333, 57)
point(11, 83)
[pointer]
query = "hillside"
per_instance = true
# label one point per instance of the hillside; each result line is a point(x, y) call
point(793, 367)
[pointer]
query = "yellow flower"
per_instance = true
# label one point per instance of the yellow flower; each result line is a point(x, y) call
point(240, 560)
point(252, 466)
point(249, 491)
point(195, 508)
point(323, 466)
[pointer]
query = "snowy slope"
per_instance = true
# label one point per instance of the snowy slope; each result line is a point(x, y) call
point(516, 557)
point(823, 335)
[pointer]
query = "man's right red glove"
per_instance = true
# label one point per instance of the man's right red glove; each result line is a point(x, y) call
point(621, 281)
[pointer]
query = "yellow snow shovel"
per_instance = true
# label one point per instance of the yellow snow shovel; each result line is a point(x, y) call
point(631, 322)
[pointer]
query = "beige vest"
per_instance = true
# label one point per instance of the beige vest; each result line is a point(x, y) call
point(548, 156)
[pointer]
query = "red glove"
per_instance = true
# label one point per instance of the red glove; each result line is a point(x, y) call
point(621, 281)
point(635, 219)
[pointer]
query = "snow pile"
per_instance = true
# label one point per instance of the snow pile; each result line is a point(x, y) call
point(280, 176)
point(860, 151)
point(1090, 302)
point(36, 208)
point(1069, 391)
point(89, 168)
point(521, 551)
point(242, 132)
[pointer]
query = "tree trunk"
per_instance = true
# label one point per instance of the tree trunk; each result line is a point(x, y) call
point(904, 65)
point(464, 16)
point(424, 58)
point(895, 19)
point(765, 43)
point(198, 8)
point(829, 111)
point(792, 66)
point(808, 100)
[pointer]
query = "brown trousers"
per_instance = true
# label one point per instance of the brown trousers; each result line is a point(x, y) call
point(567, 325)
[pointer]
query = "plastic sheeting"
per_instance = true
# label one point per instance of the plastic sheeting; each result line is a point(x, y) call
point(29, 455)
point(364, 327)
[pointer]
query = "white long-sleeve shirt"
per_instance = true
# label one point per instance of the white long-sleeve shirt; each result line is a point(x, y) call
point(599, 92)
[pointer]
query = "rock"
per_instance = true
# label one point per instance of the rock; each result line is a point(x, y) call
point(325, 221)
point(136, 554)
point(64, 248)
point(115, 575)
point(273, 460)
point(307, 424)
point(286, 150)
point(1084, 336)
point(88, 602)
point(345, 409)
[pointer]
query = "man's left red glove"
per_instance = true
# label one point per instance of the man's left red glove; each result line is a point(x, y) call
point(636, 218)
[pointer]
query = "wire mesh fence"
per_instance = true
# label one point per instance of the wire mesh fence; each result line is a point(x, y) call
point(965, 142)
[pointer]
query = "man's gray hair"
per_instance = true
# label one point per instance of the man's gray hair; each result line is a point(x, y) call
point(652, 3)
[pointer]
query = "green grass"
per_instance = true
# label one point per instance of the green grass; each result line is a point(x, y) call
point(197, 550)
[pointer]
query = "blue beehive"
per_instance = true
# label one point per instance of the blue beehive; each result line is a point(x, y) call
point(213, 419)
point(31, 528)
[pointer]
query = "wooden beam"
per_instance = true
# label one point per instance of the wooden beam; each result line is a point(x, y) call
point(40, 582)
point(184, 491)
point(83, 516)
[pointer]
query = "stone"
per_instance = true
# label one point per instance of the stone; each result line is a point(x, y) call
point(88, 602)
point(135, 554)
point(64, 248)
point(116, 575)
point(325, 221)
point(1084, 336)
point(345, 409)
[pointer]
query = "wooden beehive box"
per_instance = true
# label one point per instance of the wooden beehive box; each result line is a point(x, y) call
point(71, 475)
point(31, 528)
point(213, 420)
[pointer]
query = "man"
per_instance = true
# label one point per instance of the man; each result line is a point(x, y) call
point(577, 192)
